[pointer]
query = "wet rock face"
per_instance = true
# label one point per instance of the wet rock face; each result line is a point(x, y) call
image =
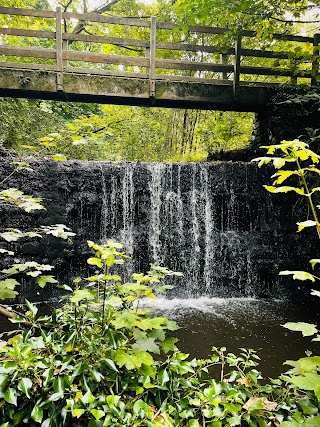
point(212, 221)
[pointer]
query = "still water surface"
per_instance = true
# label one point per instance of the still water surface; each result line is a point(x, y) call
point(242, 322)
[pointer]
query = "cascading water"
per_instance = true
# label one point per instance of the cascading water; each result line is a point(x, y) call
point(212, 221)
point(190, 218)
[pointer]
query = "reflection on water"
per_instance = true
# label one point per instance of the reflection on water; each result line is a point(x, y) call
point(242, 322)
point(235, 323)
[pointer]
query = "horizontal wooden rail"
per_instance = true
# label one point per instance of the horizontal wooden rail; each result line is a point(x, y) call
point(209, 63)
point(95, 17)
point(20, 32)
point(27, 12)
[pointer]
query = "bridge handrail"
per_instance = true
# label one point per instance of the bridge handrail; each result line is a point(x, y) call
point(62, 54)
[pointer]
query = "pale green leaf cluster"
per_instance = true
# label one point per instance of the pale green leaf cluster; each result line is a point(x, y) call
point(23, 201)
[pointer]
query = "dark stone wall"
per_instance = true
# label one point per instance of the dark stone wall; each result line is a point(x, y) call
point(212, 221)
point(290, 114)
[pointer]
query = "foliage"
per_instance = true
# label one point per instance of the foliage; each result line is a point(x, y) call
point(265, 16)
point(9, 276)
point(119, 133)
point(132, 134)
point(103, 360)
point(24, 121)
point(305, 372)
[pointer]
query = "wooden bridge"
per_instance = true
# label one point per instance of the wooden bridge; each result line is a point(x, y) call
point(59, 62)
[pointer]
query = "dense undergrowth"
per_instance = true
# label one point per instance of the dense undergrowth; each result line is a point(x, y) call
point(102, 360)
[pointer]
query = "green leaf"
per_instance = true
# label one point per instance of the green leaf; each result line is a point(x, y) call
point(304, 224)
point(315, 293)
point(169, 344)
point(279, 162)
point(55, 396)
point(307, 407)
point(270, 188)
point(43, 280)
point(25, 385)
point(81, 295)
point(37, 414)
point(307, 381)
point(140, 406)
point(97, 413)
point(282, 175)
point(5, 251)
point(291, 423)
point(88, 397)
point(298, 275)
point(312, 422)
point(10, 396)
point(286, 189)
point(307, 329)
point(78, 412)
point(95, 261)
point(132, 359)
point(59, 158)
point(110, 260)
point(110, 364)
point(7, 293)
point(147, 344)
point(313, 262)
point(234, 421)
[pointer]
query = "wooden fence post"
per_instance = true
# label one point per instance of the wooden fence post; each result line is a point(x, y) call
point(152, 56)
point(59, 42)
point(237, 64)
point(315, 60)
point(224, 61)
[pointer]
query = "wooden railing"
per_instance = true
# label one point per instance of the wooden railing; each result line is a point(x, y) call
point(231, 67)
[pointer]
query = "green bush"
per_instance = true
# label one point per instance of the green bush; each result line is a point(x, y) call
point(102, 359)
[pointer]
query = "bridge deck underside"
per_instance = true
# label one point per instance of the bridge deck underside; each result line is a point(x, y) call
point(132, 91)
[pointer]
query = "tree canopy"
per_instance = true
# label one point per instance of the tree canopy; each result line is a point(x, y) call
point(131, 133)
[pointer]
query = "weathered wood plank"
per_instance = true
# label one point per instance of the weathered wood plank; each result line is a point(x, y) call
point(315, 60)
point(237, 63)
point(223, 51)
point(188, 79)
point(96, 17)
point(73, 55)
point(277, 36)
point(193, 66)
point(105, 59)
point(27, 66)
point(263, 71)
point(224, 61)
point(96, 71)
point(193, 48)
point(38, 52)
point(268, 54)
point(192, 28)
point(28, 33)
point(152, 56)
point(27, 12)
point(108, 40)
point(59, 58)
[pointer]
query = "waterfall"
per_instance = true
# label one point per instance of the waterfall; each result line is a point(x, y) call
point(214, 222)
point(183, 217)
point(156, 198)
